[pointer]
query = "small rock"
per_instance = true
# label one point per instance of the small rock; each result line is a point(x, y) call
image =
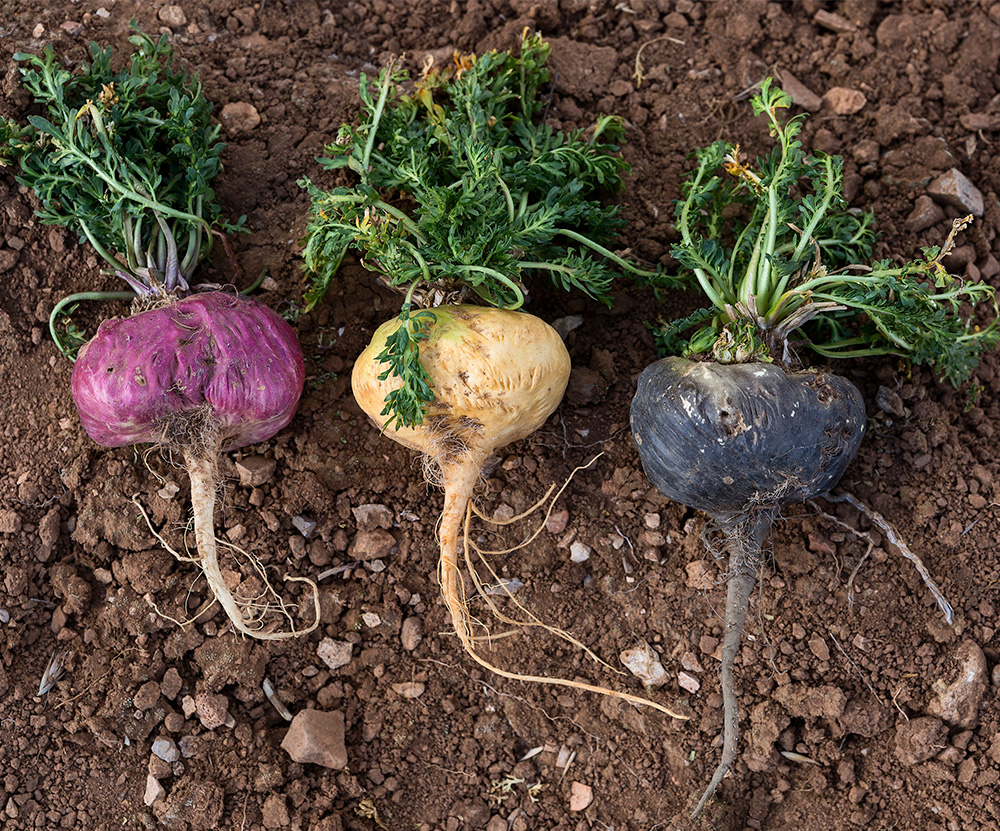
point(317, 738)
point(254, 471)
point(148, 695)
point(834, 22)
point(334, 654)
point(819, 648)
point(154, 791)
point(168, 491)
point(171, 684)
point(371, 619)
point(412, 633)
point(645, 665)
point(919, 739)
point(580, 796)
point(580, 552)
point(10, 522)
point(48, 533)
point(925, 214)
point(565, 325)
point(38, 31)
point(212, 709)
point(239, 117)
point(275, 811)
point(845, 101)
point(174, 722)
point(409, 689)
point(557, 522)
point(372, 516)
point(688, 682)
point(188, 706)
point(802, 96)
point(958, 700)
point(72, 28)
point(304, 525)
point(173, 16)
point(954, 188)
point(159, 769)
point(890, 401)
point(371, 545)
point(166, 749)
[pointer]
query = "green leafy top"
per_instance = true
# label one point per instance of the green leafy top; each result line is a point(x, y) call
point(124, 158)
point(781, 258)
point(483, 193)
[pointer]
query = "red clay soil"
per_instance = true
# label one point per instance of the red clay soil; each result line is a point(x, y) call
point(846, 657)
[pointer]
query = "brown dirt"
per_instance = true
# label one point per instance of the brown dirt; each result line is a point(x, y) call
point(819, 676)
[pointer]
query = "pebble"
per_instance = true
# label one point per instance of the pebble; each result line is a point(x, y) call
point(304, 525)
point(920, 738)
point(845, 101)
point(580, 552)
point(688, 682)
point(565, 325)
point(254, 471)
point(188, 706)
point(409, 689)
point(954, 188)
point(412, 633)
point(166, 749)
point(317, 738)
point(371, 545)
point(154, 791)
point(171, 684)
point(557, 522)
point(168, 491)
point(645, 665)
point(959, 699)
point(925, 214)
point(72, 28)
point(239, 117)
point(173, 16)
point(212, 709)
point(371, 620)
point(819, 648)
point(10, 522)
point(334, 654)
point(372, 516)
point(580, 796)
point(834, 22)
point(802, 96)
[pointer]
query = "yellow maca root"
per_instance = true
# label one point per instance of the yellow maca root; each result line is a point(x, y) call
point(497, 375)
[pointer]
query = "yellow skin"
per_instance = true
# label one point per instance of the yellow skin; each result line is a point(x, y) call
point(497, 375)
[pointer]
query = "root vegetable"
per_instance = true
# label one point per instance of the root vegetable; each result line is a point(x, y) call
point(741, 436)
point(740, 442)
point(497, 375)
point(126, 159)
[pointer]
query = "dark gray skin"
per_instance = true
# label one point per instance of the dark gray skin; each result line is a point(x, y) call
point(739, 442)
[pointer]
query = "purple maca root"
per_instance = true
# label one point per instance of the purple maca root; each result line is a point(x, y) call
point(228, 353)
point(203, 375)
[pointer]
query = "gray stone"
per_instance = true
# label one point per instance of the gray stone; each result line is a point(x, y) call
point(802, 96)
point(412, 633)
point(954, 188)
point(166, 749)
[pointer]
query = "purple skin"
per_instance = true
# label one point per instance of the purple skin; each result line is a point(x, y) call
point(215, 348)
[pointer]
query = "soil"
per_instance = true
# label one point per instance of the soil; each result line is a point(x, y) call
point(841, 673)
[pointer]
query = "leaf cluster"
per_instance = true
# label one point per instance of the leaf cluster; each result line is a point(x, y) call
point(463, 189)
point(783, 262)
point(124, 157)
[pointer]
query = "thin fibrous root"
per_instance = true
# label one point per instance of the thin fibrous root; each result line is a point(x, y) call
point(201, 470)
point(461, 478)
point(899, 543)
point(745, 539)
